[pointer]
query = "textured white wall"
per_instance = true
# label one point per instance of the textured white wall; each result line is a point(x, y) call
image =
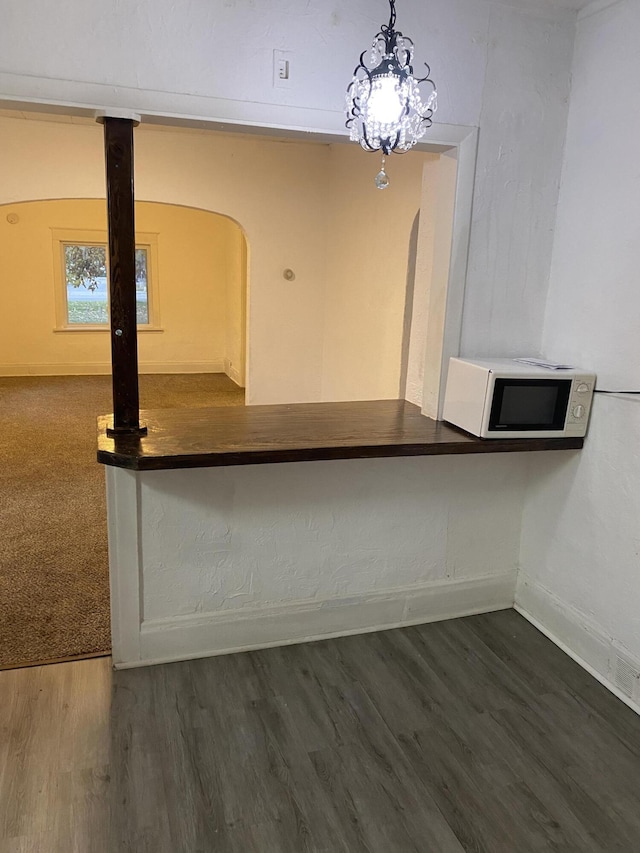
point(522, 124)
point(581, 539)
point(214, 560)
point(261, 535)
point(130, 52)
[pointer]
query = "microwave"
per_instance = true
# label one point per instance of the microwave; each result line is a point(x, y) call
point(503, 398)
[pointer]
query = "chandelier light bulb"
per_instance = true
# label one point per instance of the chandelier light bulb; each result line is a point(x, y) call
point(388, 108)
point(386, 102)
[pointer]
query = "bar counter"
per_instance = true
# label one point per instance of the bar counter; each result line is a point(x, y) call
point(239, 435)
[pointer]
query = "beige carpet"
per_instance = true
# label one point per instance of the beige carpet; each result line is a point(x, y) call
point(54, 581)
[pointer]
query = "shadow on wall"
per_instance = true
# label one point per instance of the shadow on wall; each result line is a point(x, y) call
point(408, 306)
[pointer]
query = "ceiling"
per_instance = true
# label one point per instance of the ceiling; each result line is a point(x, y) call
point(545, 5)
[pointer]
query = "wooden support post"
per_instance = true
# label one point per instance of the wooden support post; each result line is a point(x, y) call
point(118, 144)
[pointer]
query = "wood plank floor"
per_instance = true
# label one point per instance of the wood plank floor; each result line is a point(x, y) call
point(476, 734)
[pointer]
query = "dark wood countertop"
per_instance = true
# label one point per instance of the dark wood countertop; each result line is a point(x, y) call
point(237, 435)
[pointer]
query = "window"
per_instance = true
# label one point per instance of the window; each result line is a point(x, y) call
point(82, 281)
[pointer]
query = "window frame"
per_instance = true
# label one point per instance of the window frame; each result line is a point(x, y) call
point(86, 237)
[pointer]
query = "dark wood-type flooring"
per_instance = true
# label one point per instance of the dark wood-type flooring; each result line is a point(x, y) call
point(476, 734)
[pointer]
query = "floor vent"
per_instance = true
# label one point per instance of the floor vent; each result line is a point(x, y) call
point(627, 676)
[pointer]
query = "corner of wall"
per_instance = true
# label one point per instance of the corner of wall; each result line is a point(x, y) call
point(581, 638)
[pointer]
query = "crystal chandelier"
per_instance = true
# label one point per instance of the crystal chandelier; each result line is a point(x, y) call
point(388, 109)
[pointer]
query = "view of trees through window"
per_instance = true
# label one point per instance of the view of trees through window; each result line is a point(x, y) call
point(85, 269)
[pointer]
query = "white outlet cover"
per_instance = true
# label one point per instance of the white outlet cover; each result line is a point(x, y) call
point(282, 58)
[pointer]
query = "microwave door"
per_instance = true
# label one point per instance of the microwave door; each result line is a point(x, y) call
point(528, 405)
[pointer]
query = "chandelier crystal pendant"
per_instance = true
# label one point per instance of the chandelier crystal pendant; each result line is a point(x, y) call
point(388, 109)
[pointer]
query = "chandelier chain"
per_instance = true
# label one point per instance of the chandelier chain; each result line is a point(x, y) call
point(392, 14)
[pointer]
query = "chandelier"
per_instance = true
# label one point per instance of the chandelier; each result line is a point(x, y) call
point(388, 109)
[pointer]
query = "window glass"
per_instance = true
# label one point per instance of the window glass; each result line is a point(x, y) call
point(87, 289)
point(142, 289)
point(86, 283)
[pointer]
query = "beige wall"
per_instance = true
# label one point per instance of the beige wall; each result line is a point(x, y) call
point(368, 233)
point(276, 190)
point(336, 330)
point(198, 281)
point(236, 305)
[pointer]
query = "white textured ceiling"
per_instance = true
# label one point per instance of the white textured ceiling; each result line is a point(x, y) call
point(545, 5)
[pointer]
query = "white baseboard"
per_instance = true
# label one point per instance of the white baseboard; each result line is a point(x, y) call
point(224, 632)
point(233, 373)
point(572, 631)
point(86, 368)
point(182, 367)
point(101, 368)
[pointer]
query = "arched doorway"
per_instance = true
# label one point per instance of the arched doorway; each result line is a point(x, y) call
point(193, 287)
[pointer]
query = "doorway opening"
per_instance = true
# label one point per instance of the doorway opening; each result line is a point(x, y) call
point(55, 381)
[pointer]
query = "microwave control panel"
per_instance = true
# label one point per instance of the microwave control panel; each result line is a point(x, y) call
point(580, 402)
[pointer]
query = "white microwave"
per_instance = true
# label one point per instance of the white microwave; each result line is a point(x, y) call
point(503, 398)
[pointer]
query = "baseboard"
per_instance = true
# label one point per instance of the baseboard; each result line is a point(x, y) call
point(101, 368)
point(85, 368)
point(207, 634)
point(574, 632)
point(233, 373)
point(182, 367)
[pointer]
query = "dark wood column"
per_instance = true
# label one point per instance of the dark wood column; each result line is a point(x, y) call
point(118, 143)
